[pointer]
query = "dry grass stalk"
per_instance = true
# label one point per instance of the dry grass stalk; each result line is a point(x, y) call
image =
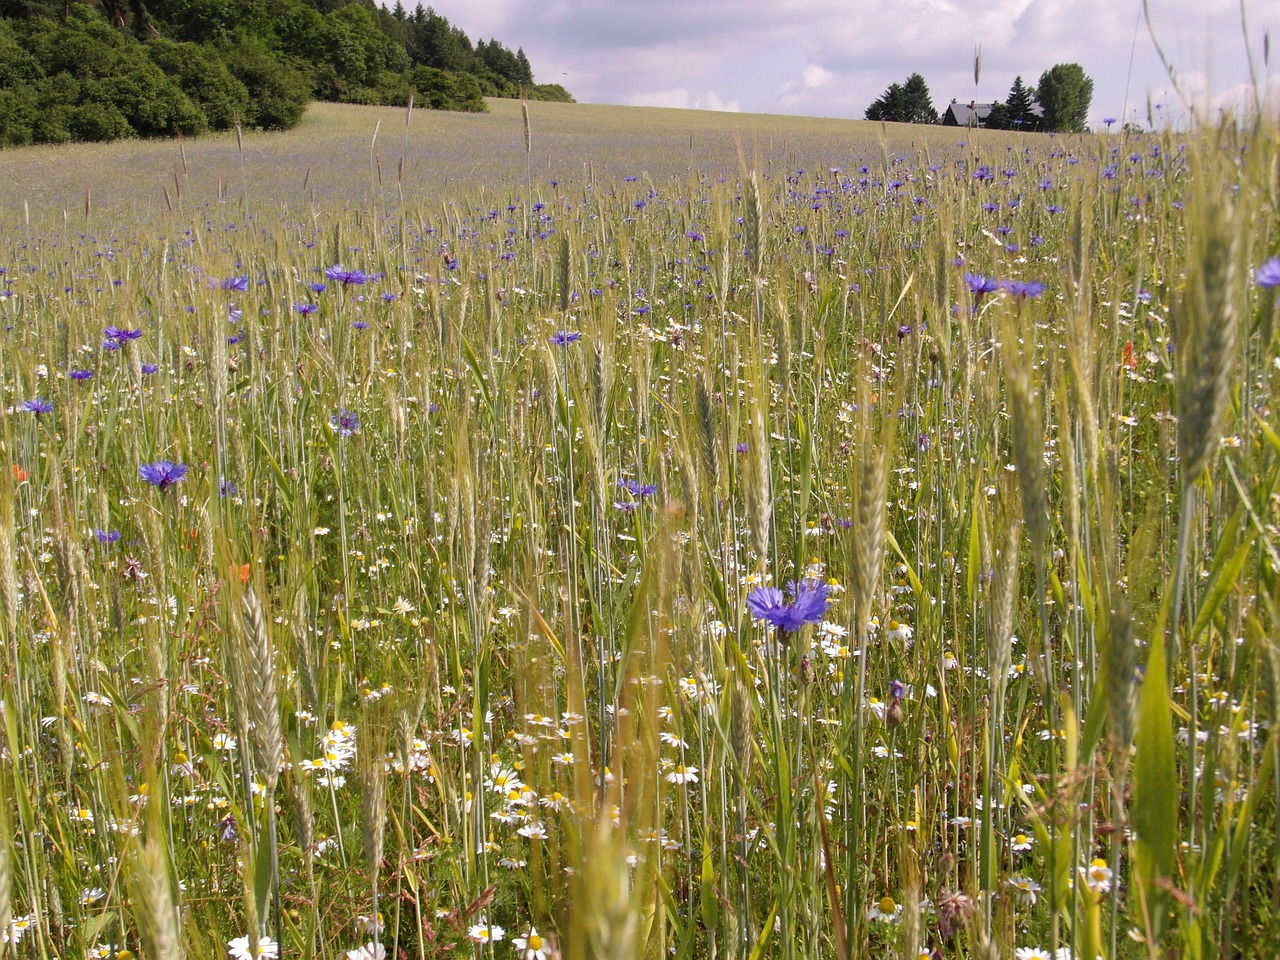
point(707, 430)
point(1001, 609)
point(1028, 454)
point(760, 493)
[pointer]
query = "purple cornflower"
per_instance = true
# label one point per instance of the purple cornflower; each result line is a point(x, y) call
point(1024, 289)
point(226, 488)
point(121, 334)
point(149, 368)
point(638, 489)
point(163, 473)
point(808, 605)
point(346, 277)
point(562, 337)
point(38, 405)
point(360, 325)
point(80, 374)
point(305, 308)
point(239, 284)
point(1268, 275)
point(980, 286)
point(107, 536)
point(346, 422)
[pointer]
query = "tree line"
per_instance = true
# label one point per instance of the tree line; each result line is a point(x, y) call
point(107, 69)
point(1059, 102)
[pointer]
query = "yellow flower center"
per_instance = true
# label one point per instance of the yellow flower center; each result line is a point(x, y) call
point(887, 905)
point(535, 942)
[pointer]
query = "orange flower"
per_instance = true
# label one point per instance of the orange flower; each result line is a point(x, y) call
point(19, 475)
point(1130, 357)
point(244, 573)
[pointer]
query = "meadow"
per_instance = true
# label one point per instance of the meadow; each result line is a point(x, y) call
point(628, 533)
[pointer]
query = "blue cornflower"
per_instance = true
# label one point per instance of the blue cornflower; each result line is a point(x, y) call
point(638, 489)
point(37, 405)
point(226, 488)
point(1025, 289)
point(110, 345)
point(107, 536)
point(80, 374)
point(360, 325)
point(562, 337)
point(980, 286)
point(1268, 275)
point(239, 284)
point(149, 368)
point(808, 605)
point(344, 276)
point(305, 308)
point(345, 422)
point(163, 473)
point(121, 334)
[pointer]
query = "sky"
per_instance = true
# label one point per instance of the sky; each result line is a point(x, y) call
point(832, 58)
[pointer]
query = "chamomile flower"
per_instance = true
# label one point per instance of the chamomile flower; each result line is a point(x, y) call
point(1097, 875)
point(683, 774)
point(899, 633)
point(1021, 842)
point(240, 949)
point(484, 932)
point(532, 946)
point(885, 910)
point(1024, 889)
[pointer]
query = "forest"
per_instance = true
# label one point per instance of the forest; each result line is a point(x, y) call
point(92, 71)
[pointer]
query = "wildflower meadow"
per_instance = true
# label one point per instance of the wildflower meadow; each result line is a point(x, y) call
point(819, 540)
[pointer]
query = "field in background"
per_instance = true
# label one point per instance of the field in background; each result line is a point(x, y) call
point(332, 161)
point(696, 535)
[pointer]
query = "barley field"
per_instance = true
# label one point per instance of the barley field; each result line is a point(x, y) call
point(623, 533)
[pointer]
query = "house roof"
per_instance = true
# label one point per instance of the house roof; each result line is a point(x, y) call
point(966, 114)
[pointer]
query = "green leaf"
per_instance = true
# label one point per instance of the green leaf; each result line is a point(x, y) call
point(1223, 573)
point(1154, 811)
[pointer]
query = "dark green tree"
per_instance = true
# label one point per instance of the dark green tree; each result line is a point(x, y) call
point(909, 102)
point(1018, 110)
point(1065, 92)
point(889, 107)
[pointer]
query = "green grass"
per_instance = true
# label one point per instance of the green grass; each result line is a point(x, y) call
point(405, 568)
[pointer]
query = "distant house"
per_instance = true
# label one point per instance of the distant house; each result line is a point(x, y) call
point(972, 114)
point(975, 114)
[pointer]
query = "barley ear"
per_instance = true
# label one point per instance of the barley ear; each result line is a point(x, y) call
point(1204, 326)
point(152, 893)
point(262, 704)
point(754, 218)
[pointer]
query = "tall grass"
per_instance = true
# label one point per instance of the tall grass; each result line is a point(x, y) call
point(442, 639)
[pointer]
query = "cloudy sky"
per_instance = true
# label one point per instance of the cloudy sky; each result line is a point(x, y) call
point(832, 58)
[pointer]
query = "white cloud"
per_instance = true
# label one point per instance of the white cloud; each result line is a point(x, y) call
point(680, 98)
point(712, 101)
point(675, 97)
point(832, 57)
